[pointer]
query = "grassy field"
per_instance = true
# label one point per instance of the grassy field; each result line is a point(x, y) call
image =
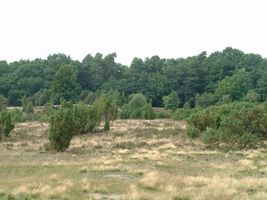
point(136, 159)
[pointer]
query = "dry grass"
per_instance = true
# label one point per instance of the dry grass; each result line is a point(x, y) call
point(136, 159)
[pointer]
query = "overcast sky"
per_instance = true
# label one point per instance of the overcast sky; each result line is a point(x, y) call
point(132, 28)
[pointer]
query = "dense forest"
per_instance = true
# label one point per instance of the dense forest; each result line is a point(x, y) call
point(204, 79)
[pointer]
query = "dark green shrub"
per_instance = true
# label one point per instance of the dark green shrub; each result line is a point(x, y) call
point(211, 136)
point(193, 132)
point(82, 116)
point(235, 126)
point(171, 101)
point(137, 108)
point(3, 103)
point(90, 99)
point(62, 128)
point(244, 127)
point(161, 113)
point(225, 99)
point(205, 100)
point(29, 107)
point(49, 109)
point(110, 108)
point(182, 114)
point(137, 100)
point(17, 115)
point(148, 112)
point(252, 96)
point(115, 96)
point(106, 126)
point(136, 113)
point(42, 100)
point(1, 132)
point(187, 105)
point(95, 116)
point(204, 119)
point(125, 111)
point(6, 123)
point(84, 94)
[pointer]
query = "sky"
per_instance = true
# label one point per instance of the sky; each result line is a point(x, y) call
point(32, 29)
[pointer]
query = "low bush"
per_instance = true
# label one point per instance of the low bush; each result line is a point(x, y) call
point(137, 108)
point(17, 115)
point(3, 103)
point(82, 116)
point(6, 124)
point(236, 125)
point(147, 112)
point(212, 137)
point(171, 101)
point(183, 113)
point(1, 132)
point(161, 113)
point(62, 128)
point(106, 126)
point(71, 119)
point(204, 119)
point(193, 132)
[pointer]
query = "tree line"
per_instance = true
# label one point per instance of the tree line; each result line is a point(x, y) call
point(229, 75)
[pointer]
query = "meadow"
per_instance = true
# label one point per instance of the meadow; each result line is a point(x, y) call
point(136, 159)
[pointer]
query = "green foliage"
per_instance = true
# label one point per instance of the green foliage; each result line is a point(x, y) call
point(236, 125)
point(205, 100)
point(84, 94)
point(187, 105)
point(90, 98)
point(1, 132)
point(236, 86)
point(65, 83)
point(49, 109)
point(229, 72)
point(95, 116)
point(212, 137)
point(252, 96)
point(106, 126)
point(3, 103)
point(225, 99)
point(87, 118)
point(161, 113)
point(6, 124)
point(148, 112)
point(107, 107)
point(244, 127)
point(171, 101)
point(137, 108)
point(137, 100)
point(193, 132)
point(29, 107)
point(17, 115)
point(110, 108)
point(183, 113)
point(62, 128)
point(81, 113)
point(203, 119)
point(42, 100)
point(262, 85)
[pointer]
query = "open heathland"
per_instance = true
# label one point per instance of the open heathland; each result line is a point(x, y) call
point(136, 159)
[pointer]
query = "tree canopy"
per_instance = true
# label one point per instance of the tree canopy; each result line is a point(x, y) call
point(220, 76)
